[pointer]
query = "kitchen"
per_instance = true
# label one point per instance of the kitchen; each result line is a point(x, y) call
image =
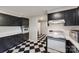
point(52, 29)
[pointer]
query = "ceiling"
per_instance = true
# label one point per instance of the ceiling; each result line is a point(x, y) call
point(27, 11)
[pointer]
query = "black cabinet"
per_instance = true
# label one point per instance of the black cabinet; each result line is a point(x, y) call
point(70, 48)
point(77, 16)
point(10, 41)
point(25, 22)
point(26, 36)
point(8, 20)
point(56, 16)
point(70, 17)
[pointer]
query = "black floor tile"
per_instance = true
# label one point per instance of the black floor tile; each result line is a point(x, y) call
point(27, 51)
point(21, 49)
point(37, 50)
point(32, 47)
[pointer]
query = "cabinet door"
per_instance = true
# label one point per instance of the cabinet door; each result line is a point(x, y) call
point(49, 17)
point(25, 23)
point(70, 48)
point(77, 16)
point(15, 21)
point(26, 36)
point(7, 20)
point(70, 17)
point(78, 36)
point(10, 41)
point(56, 16)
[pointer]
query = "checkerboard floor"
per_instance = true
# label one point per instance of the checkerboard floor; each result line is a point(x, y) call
point(30, 47)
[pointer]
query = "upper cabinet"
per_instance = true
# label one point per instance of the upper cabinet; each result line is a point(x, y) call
point(8, 20)
point(71, 16)
point(25, 22)
point(56, 16)
point(77, 16)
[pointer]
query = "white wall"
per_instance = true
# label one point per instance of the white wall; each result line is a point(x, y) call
point(34, 27)
point(33, 23)
point(44, 25)
point(39, 28)
point(9, 30)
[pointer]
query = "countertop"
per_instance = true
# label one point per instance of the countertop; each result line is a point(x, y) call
point(73, 41)
point(9, 34)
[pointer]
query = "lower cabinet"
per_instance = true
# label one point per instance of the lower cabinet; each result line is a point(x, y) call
point(70, 48)
point(26, 36)
point(11, 41)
